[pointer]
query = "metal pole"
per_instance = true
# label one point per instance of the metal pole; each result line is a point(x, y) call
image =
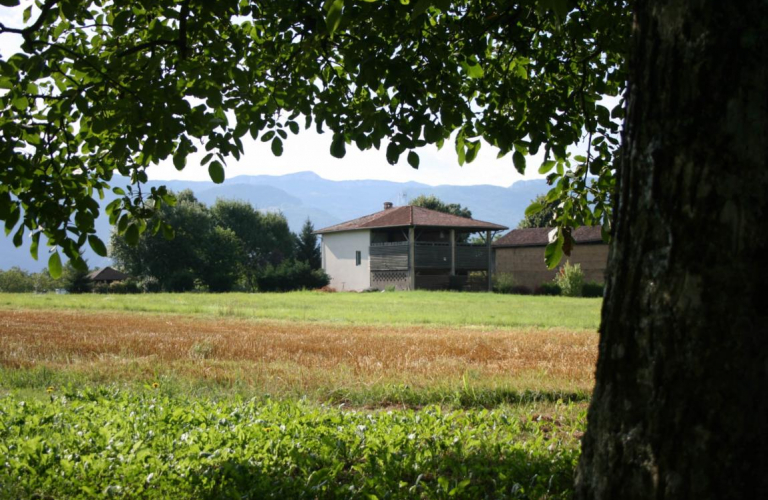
point(453, 252)
point(490, 260)
point(412, 255)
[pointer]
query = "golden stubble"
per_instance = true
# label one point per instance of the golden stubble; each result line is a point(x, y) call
point(290, 355)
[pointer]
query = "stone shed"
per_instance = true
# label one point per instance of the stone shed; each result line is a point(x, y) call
point(521, 253)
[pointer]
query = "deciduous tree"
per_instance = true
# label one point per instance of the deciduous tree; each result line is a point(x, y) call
point(541, 213)
point(103, 87)
point(432, 202)
point(679, 409)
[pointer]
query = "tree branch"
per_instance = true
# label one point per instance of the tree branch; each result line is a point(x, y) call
point(145, 45)
point(183, 15)
point(30, 30)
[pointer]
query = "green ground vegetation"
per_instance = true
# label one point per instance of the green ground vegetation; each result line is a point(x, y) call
point(69, 434)
point(385, 308)
point(107, 443)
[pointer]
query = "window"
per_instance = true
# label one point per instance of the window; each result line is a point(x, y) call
point(358, 258)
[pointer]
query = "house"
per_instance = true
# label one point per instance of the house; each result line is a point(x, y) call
point(407, 248)
point(107, 275)
point(521, 253)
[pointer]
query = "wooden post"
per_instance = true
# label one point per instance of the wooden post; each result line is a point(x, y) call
point(453, 252)
point(412, 255)
point(490, 260)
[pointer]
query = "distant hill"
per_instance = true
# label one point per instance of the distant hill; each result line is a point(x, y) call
point(325, 202)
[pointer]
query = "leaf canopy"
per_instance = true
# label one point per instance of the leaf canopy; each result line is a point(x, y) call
point(112, 87)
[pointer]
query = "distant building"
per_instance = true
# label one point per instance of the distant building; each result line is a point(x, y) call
point(107, 275)
point(521, 253)
point(407, 248)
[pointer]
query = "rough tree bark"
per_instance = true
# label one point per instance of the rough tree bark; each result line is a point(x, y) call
point(680, 408)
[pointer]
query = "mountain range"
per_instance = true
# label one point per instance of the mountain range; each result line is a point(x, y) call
point(325, 202)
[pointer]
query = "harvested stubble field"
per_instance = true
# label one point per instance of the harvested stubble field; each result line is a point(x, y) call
point(293, 395)
point(324, 361)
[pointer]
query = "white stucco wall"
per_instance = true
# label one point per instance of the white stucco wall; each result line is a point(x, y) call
point(339, 259)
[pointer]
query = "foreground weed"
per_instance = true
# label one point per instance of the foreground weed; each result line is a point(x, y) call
point(107, 442)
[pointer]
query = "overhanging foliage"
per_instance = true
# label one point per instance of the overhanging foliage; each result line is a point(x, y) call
point(103, 87)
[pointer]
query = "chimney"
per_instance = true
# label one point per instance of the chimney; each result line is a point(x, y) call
point(387, 205)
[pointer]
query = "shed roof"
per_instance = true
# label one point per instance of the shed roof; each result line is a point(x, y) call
point(539, 236)
point(107, 274)
point(407, 216)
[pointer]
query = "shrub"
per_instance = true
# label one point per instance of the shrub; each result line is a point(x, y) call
point(503, 283)
point(132, 286)
point(548, 289)
point(570, 278)
point(150, 284)
point(521, 290)
point(16, 280)
point(593, 289)
point(124, 287)
point(291, 275)
point(118, 287)
point(100, 288)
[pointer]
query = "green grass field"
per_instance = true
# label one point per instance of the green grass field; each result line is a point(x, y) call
point(301, 395)
point(398, 308)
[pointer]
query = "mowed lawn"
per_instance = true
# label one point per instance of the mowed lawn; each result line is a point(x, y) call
point(313, 395)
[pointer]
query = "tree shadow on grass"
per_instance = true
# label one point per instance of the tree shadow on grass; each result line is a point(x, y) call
point(519, 474)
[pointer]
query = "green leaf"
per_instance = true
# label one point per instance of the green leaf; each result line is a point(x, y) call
point(553, 254)
point(393, 153)
point(460, 150)
point(34, 245)
point(547, 166)
point(269, 135)
point(20, 103)
point(338, 146)
point(294, 127)
point(9, 3)
point(206, 158)
point(54, 265)
point(533, 209)
point(168, 232)
point(432, 132)
point(519, 160)
point(216, 171)
point(97, 245)
point(333, 15)
point(421, 7)
point(473, 147)
point(277, 146)
point(473, 69)
point(413, 159)
point(14, 213)
point(27, 14)
point(132, 234)
point(179, 161)
point(18, 238)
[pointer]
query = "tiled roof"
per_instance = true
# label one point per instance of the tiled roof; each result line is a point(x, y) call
point(107, 274)
point(539, 236)
point(411, 216)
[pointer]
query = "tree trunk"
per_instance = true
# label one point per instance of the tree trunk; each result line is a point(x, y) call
point(680, 408)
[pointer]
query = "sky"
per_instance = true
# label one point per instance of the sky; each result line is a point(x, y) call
point(310, 151)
